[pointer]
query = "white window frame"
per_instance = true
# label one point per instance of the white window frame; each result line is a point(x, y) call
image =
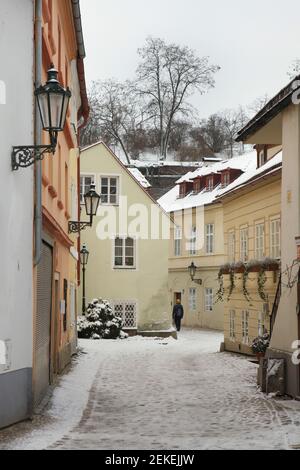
point(231, 246)
point(209, 299)
point(244, 243)
point(119, 309)
point(259, 241)
point(226, 179)
point(193, 299)
point(123, 266)
point(275, 238)
point(177, 241)
point(210, 238)
point(210, 183)
point(245, 326)
point(193, 241)
point(261, 323)
point(261, 158)
point(232, 317)
point(86, 188)
point(109, 178)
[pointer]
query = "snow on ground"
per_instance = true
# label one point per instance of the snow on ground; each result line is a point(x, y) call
point(159, 394)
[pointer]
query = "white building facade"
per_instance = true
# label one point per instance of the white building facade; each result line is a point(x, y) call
point(16, 209)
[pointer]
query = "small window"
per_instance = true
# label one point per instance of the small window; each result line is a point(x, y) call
point(110, 190)
point(261, 324)
point(244, 244)
point(85, 185)
point(275, 242)
point(232, 325)
point(209, 300)
point(177, 241)
point(261, 158)
point(245, 326)
point(210, 235)
point(259, 241)
point(193, 300)
point(124, 253)
point(127, 310)
point(225, 179)
point(197, 185)
point(210, 183)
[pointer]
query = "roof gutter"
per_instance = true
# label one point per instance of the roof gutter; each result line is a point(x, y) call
point(84, 110)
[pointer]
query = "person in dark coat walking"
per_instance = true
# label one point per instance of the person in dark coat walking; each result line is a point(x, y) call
point(178, 314)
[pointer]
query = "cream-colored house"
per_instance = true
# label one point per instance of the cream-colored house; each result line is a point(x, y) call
point(252, 226)
point(128, 262)
point(278, 123)
point(198, 237)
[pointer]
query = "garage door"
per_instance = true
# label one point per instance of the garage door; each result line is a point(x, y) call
point(43, 324)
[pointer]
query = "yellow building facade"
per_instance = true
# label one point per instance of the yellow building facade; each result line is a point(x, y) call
point(128, 262)
point(250, 277)
point(197, 237)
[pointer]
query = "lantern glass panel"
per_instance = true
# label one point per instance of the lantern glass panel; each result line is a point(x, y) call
point(44, 109)
point(56, 105)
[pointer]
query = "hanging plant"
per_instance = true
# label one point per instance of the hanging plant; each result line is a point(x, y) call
point(245, 279)
point(232, 283)
point(261, 282)
point(221, 291)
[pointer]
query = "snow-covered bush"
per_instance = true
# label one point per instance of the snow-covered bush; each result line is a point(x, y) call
point(100, 322)
point(261, 344)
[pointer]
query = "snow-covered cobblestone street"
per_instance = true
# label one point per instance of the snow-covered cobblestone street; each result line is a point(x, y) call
point(159, 394)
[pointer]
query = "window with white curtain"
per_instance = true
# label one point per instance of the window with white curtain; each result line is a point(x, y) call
point(244, 244)
point(193, 241)
point(210, 235)
point(193, 299)
point(259, 241)
point(245, 326)
point(177, 241)
point(209, 300)
point(275, 235)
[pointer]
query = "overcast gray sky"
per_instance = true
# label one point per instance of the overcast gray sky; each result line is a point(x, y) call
point(254, 41)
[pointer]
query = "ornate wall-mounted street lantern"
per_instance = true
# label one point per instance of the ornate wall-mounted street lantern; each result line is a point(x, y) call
point(91, 201)
point(193, 270)
point(53, 101)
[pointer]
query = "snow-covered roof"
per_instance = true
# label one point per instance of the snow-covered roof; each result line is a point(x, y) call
point(271, 165)
point(247, 163)
point(139, 177)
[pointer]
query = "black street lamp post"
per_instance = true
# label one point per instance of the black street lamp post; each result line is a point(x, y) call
point(84, 258)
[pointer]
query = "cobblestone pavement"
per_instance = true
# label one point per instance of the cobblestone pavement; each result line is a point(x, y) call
point(158, 395)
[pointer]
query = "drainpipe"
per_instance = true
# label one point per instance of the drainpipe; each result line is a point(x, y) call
point(38, 134)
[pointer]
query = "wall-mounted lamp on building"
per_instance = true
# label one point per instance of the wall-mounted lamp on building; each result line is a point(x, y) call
point(53, 101)
point(91, 201)
point(84, 258)
point(193, 270)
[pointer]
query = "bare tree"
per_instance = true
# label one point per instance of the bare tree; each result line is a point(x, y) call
point(233, 121)
point(117, 113)
point(167, 75)
point(294, 69)
point(212, 132)
point(258, 104)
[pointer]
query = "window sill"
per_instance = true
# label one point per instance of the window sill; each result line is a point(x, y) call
point(123, 268)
